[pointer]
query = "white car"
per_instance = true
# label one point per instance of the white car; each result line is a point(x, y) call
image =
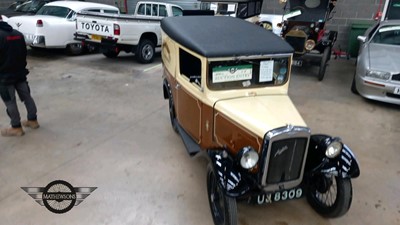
point(53, 26)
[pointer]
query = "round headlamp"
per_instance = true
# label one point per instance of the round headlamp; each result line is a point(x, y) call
point(334, 149)
point(249, 157)
point(310, 44)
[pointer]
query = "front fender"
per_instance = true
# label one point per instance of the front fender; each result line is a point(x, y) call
point(345, 164)
point(230, 179)
point(349, 163)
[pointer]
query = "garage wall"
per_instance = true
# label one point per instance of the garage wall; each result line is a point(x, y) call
point(347, 13)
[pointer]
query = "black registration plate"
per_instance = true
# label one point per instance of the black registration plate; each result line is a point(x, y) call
point(284, 195)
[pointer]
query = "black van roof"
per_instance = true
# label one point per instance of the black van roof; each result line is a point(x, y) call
point(223, 36)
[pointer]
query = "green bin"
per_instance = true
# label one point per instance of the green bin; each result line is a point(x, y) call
point(357, 29)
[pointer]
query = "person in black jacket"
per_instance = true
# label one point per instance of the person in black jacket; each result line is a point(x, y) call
point(13, 74)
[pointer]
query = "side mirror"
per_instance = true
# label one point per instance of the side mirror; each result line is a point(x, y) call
point(362, 38)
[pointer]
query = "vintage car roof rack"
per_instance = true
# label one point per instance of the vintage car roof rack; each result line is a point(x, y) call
point(223, 36)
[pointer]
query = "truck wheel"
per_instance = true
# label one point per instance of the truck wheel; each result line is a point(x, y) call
point(109, 53)
point(223, 208)
point(330, 196)
point(145, 51)
point(74, 49)
point(324, 63)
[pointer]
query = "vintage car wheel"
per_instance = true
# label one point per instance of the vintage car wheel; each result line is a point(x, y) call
point(110, 53)
point(324, 63)
point(172, 114)
point(145, 51)
point(74, 49)
point(223, 208)
point(330, 197)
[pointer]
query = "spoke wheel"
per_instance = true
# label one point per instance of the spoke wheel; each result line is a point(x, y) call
point(330, 196)
point(223, 208)
point(324, 63)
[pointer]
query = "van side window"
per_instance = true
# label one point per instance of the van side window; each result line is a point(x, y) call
point(190, 66)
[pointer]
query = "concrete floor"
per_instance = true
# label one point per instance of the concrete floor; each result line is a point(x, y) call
point(105, 124)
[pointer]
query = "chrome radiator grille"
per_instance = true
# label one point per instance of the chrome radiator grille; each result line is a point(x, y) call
point(286, 160)
point(285, 151)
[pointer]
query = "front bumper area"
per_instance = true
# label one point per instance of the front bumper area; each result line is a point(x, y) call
point(378, 90)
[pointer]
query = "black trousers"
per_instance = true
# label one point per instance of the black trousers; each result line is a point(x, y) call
point(7, 94)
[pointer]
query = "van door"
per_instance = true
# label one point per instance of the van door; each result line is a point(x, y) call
point(189, 94)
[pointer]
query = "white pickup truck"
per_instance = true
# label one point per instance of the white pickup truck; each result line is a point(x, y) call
point(139, 33)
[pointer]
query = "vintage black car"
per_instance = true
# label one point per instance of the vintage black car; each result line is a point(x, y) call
point(227, 83)
point(304, 29)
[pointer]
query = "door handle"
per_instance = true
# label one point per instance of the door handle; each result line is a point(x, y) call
point(177, 86)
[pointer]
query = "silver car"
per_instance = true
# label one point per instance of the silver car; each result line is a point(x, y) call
point(377, 74)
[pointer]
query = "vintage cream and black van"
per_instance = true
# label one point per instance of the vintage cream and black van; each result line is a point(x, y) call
point(227, 84)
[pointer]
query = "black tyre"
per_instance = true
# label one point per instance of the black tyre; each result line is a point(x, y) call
point(74, 49)
point(172, 114)
point(353, 85)
point(223, 208)
point(109, 53)
point(330, 197)
point(145, 51)
point(324, 63)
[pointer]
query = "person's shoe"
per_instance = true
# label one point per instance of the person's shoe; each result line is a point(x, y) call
point(33, 124)
point(12, 131)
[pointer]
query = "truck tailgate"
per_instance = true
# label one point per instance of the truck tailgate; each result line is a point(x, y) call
point(95, 26)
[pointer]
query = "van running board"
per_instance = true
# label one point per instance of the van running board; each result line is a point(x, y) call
point(191, 146)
